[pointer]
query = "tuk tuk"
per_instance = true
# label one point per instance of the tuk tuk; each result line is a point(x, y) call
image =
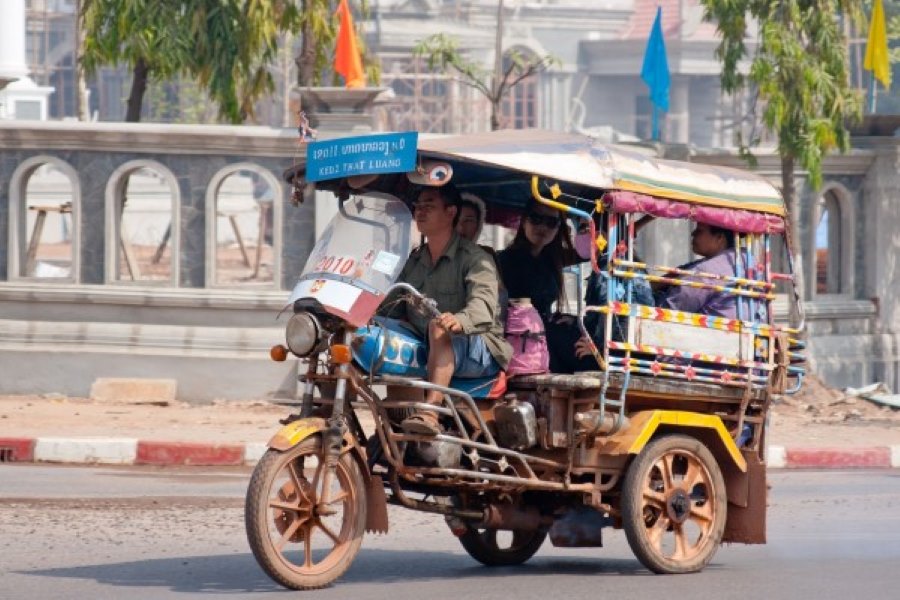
point(664, 439)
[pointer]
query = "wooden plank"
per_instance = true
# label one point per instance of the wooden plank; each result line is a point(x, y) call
point(240, 239)
point(36, 233)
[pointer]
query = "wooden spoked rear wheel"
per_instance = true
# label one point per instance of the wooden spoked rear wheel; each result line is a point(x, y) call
point(674, 505)
point(496, 548)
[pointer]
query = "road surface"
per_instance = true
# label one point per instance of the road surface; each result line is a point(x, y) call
point(77, 532)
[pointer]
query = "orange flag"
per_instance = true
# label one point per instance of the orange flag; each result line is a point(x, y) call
point(346, 56)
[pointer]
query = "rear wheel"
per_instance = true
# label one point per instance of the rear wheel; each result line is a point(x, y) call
point(674, 505)
point(500, 548)
point(299, 541)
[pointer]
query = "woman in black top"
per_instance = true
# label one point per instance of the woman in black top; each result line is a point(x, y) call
point(532, 267)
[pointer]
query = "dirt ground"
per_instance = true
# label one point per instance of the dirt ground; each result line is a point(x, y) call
point(818, 416)
point(823, 416)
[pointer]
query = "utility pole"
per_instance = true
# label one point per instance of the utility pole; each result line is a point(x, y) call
point(498, 70)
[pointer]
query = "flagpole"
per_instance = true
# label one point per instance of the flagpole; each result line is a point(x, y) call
point(655, 121)
point(877, 58)
point(873, 93)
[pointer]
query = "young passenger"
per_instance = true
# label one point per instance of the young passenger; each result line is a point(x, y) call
point(716, 246)
point(466, 340)
point(471, 220)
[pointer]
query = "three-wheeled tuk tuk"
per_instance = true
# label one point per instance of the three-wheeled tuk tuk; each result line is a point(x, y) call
point(665, 439)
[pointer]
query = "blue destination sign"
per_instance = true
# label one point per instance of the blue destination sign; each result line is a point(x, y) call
point(363, 155)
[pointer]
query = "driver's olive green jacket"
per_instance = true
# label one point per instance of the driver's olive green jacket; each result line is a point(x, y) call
point(464, 282)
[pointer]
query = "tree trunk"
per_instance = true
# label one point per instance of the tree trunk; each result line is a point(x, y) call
point(82, 111)
point(498, 70)
point(138, 87)
point(306, 60)
point(495, 114)
point(792, 232)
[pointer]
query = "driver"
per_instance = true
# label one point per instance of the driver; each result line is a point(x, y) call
point(466, 340)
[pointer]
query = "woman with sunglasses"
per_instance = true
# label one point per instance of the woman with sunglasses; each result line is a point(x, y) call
point(532, 267)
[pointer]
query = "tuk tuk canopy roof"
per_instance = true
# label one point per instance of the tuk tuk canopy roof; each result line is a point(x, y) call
point(482, 161)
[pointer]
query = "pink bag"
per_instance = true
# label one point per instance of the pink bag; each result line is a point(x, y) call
point(525, 333)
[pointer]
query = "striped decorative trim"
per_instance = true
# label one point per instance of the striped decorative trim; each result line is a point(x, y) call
point(710, 358)
point(676, 316)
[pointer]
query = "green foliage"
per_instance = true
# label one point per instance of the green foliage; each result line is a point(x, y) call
point(893, 31)
point(799, 69)
point(226, 45)
point(179, 99)
point(441, 53)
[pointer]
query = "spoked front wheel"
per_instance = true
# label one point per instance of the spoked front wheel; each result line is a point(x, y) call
point(674, 505)
point(302, 539)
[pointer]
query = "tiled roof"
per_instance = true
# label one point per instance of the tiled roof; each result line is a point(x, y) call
point(645, 12)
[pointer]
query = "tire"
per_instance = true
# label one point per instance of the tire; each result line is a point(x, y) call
point(674, 505)
point(483, 546)
point(293, 527)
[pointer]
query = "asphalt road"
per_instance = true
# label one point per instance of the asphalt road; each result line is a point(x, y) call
point(139, 533)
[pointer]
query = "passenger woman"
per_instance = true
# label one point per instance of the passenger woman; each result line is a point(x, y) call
point(532, 267)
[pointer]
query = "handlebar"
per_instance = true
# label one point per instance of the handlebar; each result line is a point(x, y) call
point(416, 299)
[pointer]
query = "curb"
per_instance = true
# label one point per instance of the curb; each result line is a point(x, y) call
point(130, 451)
point(127, 451)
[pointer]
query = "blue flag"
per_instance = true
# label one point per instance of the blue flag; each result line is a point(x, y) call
point(655, 70)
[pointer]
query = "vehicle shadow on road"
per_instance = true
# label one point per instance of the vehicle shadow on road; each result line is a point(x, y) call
point(239, 573)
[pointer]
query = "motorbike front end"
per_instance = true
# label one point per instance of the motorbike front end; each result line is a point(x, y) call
point(307, 505)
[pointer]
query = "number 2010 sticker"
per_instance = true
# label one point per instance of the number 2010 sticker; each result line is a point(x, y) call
point(342, 265)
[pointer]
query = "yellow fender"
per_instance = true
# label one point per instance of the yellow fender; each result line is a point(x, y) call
point(296, 431)
point(643, 425)
point(376, 503)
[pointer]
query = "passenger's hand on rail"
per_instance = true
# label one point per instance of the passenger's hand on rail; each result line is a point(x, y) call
point(583, 348)
point(448, 321)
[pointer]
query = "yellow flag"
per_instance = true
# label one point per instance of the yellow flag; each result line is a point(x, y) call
point(877, 59)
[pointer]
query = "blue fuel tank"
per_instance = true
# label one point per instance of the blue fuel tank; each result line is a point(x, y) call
point(390, 347)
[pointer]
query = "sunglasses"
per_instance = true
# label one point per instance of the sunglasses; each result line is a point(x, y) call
point(547, 221)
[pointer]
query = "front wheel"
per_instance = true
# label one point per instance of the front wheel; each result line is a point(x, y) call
point(495, 548)
point(674, 505)
point(300, 541)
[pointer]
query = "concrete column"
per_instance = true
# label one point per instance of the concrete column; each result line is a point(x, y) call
point(881, 245)
point(679, 109)
point(22, 98)
point(12, 40)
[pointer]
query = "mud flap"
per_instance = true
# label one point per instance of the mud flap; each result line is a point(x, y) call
point(746, 523)
point(580, 527)
point(376, 506)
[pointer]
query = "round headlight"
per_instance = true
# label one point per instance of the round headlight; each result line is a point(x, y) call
point(302, 333)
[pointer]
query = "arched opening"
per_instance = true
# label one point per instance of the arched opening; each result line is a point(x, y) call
point(519, 109)
point(828, 245)
point(242, 226)
point(44, 216)
point(142, 234)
